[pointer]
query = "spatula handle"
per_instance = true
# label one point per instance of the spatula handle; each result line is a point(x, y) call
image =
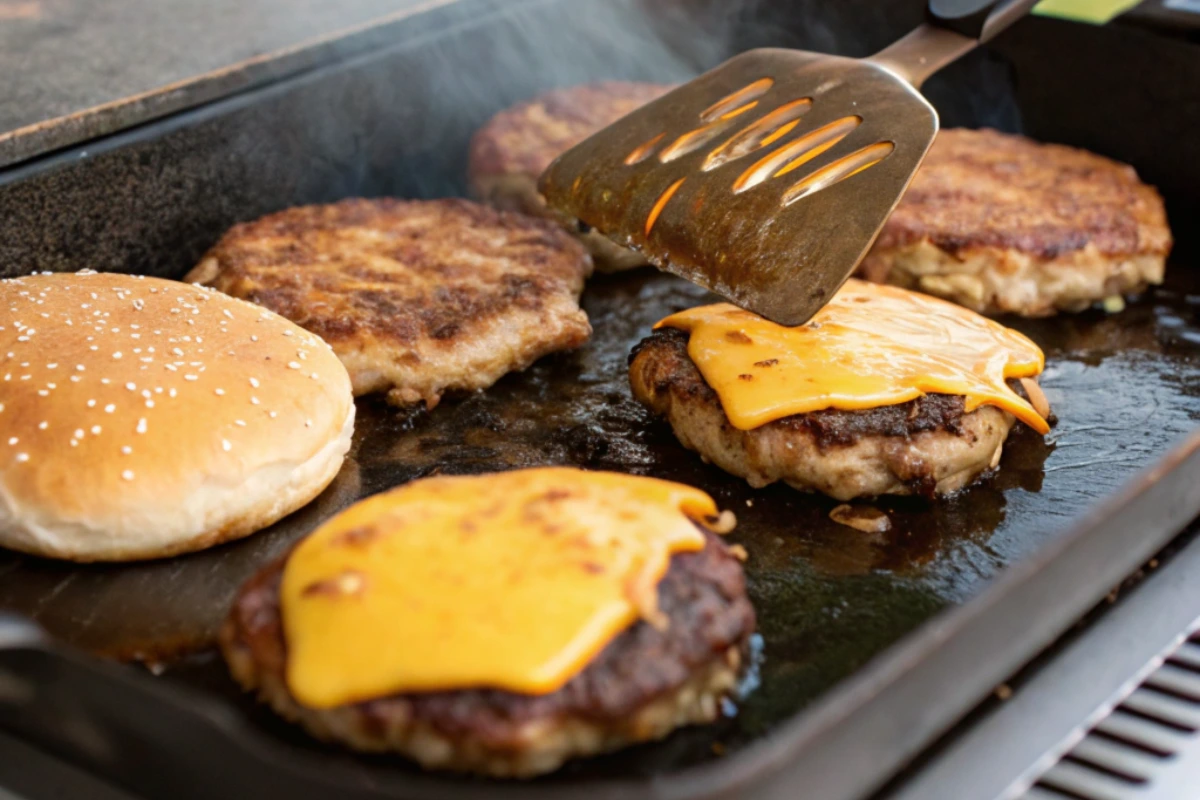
point(978, 19)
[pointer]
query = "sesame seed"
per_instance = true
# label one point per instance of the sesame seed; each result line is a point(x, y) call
point(43, 392)
point(43, 425)
point(131, 386)
point(220, 392)
point(314, 376)
point(95, 430)
point(149, 404)
point(272, 415)
point(80, 367)
point(141, 426)
point(117, 355)
point(22, 457)
point(254, 382)
point(91, 403)
point(287, 332)
point(293, 365)
point(13, 441)
point(110, 408)
point(127, 474)
point(253, 401)
point(51, 366)
point(171, 392)
point(191, 377)
point(308, 423)
point(126, 450)
point(78, 433)
point(239, 423)
point(225, 445)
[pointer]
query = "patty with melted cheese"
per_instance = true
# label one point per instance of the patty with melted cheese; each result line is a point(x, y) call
point(385, 630)
point(857, 435)
point(1005, 225)
point(416, 297)
point(516, 145)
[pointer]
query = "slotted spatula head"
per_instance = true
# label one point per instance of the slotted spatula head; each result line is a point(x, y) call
point(761, 180)
point(767, 179)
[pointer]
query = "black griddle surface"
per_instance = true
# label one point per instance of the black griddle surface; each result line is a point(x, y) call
point(1125, 388)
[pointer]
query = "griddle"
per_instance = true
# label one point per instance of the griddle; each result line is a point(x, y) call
point(869, 645)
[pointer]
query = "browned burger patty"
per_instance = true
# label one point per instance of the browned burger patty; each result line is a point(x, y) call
point(509, 152)
point(416, 297)
point(1002, 224)
point(643, 685)
point(928, 446)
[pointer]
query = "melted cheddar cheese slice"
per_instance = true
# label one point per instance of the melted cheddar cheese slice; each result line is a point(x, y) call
point(872, 345)
point(513, 581)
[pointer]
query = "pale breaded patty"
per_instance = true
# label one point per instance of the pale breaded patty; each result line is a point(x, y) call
point(1002, 224)
point(644, 684)
point(928, 446)
point(416, 297)
point(509, 152)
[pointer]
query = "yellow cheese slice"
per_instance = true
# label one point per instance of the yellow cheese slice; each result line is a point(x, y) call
point(872, 345)
point(512, 580)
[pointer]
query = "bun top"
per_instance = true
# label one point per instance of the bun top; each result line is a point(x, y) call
point(121, 397)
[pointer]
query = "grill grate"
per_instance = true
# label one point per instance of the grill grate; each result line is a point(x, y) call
point(1147, 748)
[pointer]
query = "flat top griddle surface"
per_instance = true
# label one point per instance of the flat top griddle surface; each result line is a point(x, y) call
point(1125, 387)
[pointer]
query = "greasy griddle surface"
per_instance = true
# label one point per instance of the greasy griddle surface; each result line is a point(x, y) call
point(829, 598)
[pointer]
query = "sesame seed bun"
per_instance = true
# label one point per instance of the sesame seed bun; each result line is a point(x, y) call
point(142, 418)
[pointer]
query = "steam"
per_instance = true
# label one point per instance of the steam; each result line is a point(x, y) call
point(423, 97)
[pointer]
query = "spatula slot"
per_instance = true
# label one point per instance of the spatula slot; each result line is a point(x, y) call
point(695, 139)
point(661, 203)
point(737, 101)
point(763, 133)
point(839, 170)
point(644, 150)
point(795, 154)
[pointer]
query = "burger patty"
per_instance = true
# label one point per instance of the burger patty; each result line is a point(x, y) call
point(516, 145)
point(643, 685)
point(1002, 224)
point(928, 446)
point(416, 297)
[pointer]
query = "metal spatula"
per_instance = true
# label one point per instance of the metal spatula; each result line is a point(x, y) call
point(767, 179)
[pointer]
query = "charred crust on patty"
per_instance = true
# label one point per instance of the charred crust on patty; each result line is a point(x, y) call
point(830, 427)
point(928, 446)
point(1003, 224)
point(1060, 199)
point(415, 297)
point(605, 706)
